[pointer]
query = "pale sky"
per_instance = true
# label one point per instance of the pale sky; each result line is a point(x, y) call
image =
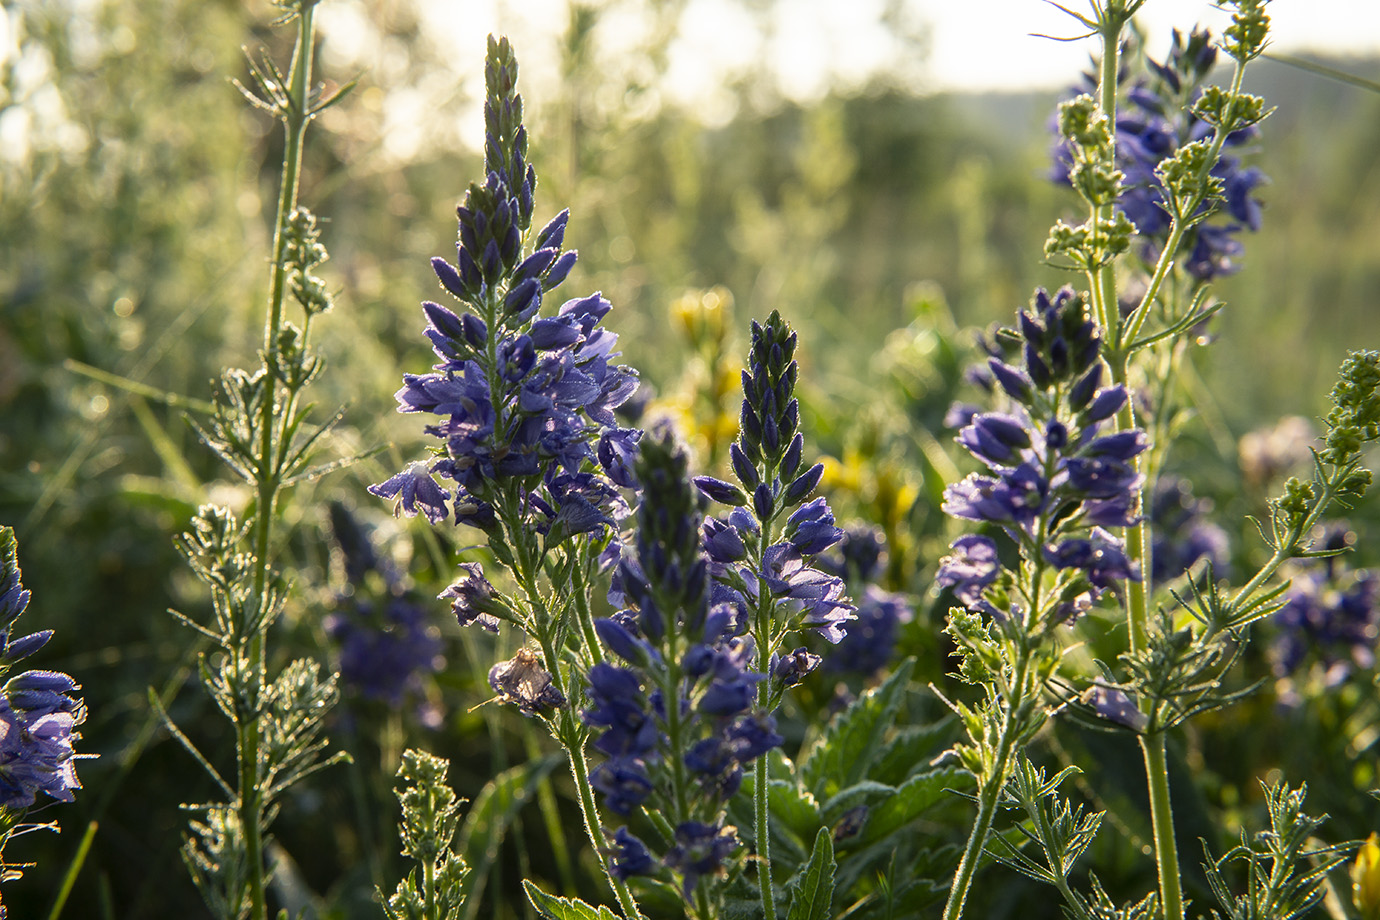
point(812, 45)
point(1010, 57)
point(973, 44)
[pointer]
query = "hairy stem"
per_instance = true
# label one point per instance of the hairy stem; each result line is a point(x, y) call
point(572, 739)
point(579, 770)
point(1162, 821)
point(761, 829)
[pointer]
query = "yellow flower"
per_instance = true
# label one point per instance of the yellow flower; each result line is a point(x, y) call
point(1365, 879)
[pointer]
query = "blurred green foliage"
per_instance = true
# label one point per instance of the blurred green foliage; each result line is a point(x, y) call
point(133, 223)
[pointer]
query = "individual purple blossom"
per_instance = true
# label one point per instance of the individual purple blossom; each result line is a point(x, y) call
point(995, 438)
point(789, 670)
point(1014, 497)
point(1101, 556)
point(474, 600)
point(699, 850)
point(617, 453)
point(1113, 705)
point(969, 568)
point(630, 856)
point(811, 598)
point(415, 490)
point(623, 782)
point(810, 529)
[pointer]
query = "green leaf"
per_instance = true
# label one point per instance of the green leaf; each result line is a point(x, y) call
point(864, 793)
point(564, 908)
point(846, 751)
point(912, 799)
point(793, 807)
point(795, 815)
point(912, 750)
point(814, 898)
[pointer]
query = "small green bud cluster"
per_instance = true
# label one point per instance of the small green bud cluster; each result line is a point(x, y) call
point(303, 253)
point(1091, 244)
point(1229, 111)
point(1093, 172)
point(1355, 416)
point(1187, 173)
point(1250, 25)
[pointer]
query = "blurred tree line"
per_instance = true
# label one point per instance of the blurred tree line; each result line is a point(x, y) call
point(136, 189)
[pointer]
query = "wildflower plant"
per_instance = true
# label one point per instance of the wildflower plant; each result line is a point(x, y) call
point(1073, 450)
point(529, 447)
point(258, 427)
point(677, 720)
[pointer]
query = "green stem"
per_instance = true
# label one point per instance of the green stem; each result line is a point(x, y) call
point(583, 614)
point(1162, 819)
point(572, 739)
point(579, 770)
point(429, 889)
point(251, 804)
point(763, 833)
point(990, 793)
point(1054, 857)
point(762, 829)
point(1102, 281)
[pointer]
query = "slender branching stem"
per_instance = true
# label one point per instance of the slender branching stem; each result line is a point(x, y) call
point(1137, 544)
point(267, 470)
point(1102, 281)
